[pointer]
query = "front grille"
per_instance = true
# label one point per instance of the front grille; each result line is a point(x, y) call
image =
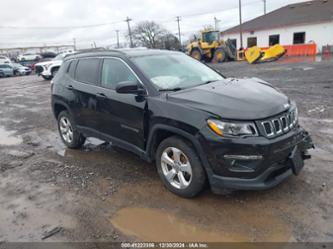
point(39, 69)
point(279, 125)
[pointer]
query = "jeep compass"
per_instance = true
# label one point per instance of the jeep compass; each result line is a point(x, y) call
point(197, 125)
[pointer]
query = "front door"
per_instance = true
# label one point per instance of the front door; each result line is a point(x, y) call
point(121, 116)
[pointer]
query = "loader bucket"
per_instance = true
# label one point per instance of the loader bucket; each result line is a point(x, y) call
point(273, 53)
point(253, 54)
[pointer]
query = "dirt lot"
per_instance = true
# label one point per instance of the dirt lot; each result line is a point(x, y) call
point(104, 194)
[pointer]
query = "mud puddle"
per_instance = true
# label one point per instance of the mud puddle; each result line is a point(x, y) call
point(151, 224)
point(7, 138)
point(155, 225)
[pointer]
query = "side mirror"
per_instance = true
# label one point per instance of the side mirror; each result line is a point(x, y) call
point(129, 87)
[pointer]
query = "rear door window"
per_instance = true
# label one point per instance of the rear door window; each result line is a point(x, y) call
point(115, 71)
point(87, 71)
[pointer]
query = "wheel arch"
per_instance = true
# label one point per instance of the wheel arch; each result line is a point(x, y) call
point(58, 107)
point(161, 131)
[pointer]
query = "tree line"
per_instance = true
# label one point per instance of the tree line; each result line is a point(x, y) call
point(150, 34)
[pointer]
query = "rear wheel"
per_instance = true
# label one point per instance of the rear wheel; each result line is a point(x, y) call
point(219, 56)
point(71, 137)
point(196, 54)
point(180, 168)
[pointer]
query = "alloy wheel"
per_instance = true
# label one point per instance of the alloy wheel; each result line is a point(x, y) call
point(66, 129)
point(176, 168)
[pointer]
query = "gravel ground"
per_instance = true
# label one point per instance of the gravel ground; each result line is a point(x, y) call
point(101, 193)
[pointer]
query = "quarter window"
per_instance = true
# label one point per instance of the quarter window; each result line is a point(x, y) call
point(115, 71)
point(87, 70)
point(71, 68)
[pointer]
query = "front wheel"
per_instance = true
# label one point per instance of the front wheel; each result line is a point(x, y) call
point(180, 168)
point(219, 56)
point(196, 54)
point(70, 136)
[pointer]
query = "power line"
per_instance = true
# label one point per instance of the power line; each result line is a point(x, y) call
point(59, 27)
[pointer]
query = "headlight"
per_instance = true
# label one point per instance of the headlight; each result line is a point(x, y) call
point(47, 66)
point(232, 129)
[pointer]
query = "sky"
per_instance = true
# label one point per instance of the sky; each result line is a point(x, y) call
point(55, 22)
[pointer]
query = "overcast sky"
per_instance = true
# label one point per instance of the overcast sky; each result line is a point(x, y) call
point(38, 22)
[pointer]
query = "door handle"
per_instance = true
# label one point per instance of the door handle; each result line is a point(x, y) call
point(70, 87)
point(101, 95)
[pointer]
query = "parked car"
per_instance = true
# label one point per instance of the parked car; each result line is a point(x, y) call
point(28, 57)
point(7, 70)
point(195, 124)
point(4, 59)
point(50, 68)
point(20, 69)
point(48, 55)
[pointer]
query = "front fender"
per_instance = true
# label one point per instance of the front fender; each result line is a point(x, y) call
point(194, 139)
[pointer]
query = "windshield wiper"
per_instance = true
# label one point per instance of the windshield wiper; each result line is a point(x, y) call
point(208, 81)
point(171, 89)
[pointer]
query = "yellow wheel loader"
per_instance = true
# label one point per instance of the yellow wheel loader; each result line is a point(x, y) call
point(211, 48)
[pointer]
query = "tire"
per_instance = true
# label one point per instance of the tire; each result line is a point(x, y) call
point(219, 55)
point(54, 72)
point(193, 176)
point(47, 77)
point(68, 132)
point(196, 54)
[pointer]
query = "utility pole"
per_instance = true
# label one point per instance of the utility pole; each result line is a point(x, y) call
point(240, 24)
point(216, 21)
point(179, 35)
point(264, 7)
point(117, 31)
point(74, 43)
point(129, 31)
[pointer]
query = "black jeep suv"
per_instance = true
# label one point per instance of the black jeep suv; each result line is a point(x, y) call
point(197, 125)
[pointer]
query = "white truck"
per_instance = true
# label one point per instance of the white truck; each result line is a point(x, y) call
point(48, 69)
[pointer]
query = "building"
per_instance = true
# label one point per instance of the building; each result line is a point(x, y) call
point(15, 51)
point(309, 23)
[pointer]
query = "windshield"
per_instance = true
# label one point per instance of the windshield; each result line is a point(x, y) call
point(210, 37)
point(175, 71)
point(5, 66)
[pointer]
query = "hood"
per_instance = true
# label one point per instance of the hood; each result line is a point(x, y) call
point(239, 99)
point(48, 63)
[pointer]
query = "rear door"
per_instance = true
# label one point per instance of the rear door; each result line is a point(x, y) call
point(85, 86)
point(121, 115)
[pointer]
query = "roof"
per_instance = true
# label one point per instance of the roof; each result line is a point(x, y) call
point(309, 12)
point(128, 52)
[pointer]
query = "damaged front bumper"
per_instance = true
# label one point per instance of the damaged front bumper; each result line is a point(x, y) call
point(255, 163)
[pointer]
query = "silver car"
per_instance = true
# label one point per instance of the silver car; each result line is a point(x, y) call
point(6, 70)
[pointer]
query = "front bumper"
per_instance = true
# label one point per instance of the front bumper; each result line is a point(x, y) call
point(253, 163)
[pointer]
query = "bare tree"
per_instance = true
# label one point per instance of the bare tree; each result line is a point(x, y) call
point(148, 34)
point(170, 42)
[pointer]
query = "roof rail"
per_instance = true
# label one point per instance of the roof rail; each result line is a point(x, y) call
point(90, 50)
